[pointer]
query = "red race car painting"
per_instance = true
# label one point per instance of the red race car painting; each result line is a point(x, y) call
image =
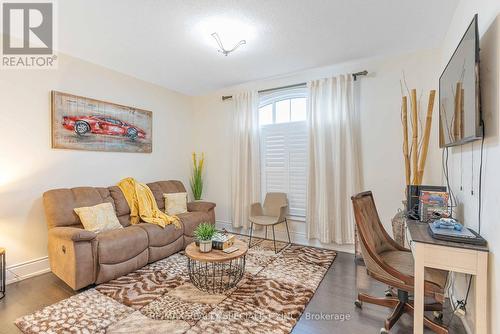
point(82, 123)
point(102, 125)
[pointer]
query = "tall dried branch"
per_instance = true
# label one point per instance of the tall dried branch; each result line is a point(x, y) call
point(426, 137)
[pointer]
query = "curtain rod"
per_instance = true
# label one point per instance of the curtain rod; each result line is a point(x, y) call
point(354, 75)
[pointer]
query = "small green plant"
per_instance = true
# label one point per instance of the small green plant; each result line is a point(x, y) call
point(204, 231)
point(197, 177)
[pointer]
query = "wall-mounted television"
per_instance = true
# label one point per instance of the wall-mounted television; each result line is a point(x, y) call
point(459, 94)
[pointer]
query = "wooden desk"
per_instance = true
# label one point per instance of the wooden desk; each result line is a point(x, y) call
point(451, 256)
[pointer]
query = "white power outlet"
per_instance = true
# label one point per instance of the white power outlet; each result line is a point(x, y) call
point(460, 312)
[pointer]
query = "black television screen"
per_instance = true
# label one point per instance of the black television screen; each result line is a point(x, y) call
point(459, 97)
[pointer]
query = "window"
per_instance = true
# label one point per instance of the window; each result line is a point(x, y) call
point(110, 120)
point(284, 149)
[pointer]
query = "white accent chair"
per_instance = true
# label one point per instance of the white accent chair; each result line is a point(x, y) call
point(272, 213)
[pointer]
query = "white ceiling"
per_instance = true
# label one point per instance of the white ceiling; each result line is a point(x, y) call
point(168, 42)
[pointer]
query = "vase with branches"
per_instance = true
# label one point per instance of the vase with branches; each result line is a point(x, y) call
point(415, 153)
point(197, 175)
point(416, 136)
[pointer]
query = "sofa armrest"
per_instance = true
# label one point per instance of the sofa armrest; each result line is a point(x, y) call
point(71, 255)
point(72, 233)
point(200, 206)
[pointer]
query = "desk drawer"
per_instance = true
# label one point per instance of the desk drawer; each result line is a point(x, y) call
point(450, 258)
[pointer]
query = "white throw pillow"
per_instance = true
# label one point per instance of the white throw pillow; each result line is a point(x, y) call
point(175, 203)
point(99, 218)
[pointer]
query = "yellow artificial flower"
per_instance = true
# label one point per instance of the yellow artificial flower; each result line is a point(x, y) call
point(202, 161)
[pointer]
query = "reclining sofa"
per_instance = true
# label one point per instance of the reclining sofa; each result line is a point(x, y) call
point(81, 258)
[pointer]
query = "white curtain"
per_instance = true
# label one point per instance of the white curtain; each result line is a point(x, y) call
point(334, 171)
point(245, 185)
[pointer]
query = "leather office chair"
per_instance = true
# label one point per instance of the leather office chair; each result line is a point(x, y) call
point(272, 213)
point(388, 262)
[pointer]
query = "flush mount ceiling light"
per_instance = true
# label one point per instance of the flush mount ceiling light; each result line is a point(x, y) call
point(230, 33)
point(221, 47)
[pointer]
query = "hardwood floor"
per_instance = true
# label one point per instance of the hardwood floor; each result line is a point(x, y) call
point(334, 298)
point(336, 295)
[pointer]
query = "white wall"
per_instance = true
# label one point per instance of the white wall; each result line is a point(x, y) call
point(464, 162)
point(379, 99)
point(28, 165)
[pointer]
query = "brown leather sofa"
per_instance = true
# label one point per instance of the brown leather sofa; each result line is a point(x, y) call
point(81, 257)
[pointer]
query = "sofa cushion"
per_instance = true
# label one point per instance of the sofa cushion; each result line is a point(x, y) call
point(191, 220)
point(108, 272)
point(175, 203)
point(120, 245)
point(98, 218)
point(121, 205)
point(60, 203)
point(159, 236)
point(165, 187)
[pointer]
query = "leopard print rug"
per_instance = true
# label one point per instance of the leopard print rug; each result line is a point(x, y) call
point(159, 298)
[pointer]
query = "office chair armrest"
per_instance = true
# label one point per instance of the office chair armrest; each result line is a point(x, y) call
point(256, 210)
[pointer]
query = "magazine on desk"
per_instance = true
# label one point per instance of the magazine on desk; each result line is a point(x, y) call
point(433, 203)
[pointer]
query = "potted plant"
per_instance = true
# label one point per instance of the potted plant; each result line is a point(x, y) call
point(203, 234)
point(197, 176)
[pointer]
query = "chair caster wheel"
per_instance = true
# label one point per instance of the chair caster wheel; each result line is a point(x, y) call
point(388, 293)
point(358, 303)
point(384, 331)
point(438, 315)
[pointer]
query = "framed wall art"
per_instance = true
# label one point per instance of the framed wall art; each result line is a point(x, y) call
point(82, 123)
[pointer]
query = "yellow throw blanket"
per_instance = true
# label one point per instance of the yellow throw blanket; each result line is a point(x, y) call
point(143, 206)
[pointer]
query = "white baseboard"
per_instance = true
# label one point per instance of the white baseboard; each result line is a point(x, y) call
point(24, 270)
point(296, 237)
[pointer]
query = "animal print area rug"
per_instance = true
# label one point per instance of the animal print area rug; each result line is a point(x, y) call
point(160, 299)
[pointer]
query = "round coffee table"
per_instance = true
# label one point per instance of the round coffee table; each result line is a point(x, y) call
point(216, 271)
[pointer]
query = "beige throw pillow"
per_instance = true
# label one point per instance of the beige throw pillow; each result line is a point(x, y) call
point(175, 203)
point(99, 218)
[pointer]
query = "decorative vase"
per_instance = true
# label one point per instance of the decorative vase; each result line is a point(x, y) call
point(399, 226)
point(205, 246)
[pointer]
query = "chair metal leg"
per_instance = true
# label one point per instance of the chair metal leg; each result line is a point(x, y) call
point(250, 240)
point(274, 241)
point(288, 231)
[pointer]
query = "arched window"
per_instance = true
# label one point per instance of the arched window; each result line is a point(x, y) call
point(283, 106)
point(284, 148)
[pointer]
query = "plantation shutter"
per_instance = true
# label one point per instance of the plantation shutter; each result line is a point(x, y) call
point(284, 163)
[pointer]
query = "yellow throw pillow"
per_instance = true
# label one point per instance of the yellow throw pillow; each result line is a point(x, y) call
point(99, 218)
point(175, 203)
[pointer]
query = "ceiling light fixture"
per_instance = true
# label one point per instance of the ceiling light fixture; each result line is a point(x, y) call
point(221, 47)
